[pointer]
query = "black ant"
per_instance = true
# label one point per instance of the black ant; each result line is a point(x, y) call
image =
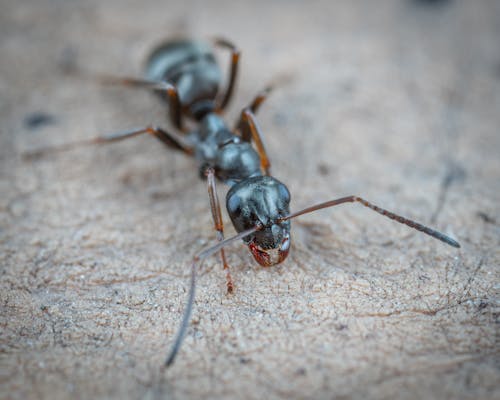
point(186, 74)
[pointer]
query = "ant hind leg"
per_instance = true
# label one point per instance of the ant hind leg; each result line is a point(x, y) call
point(223, 101)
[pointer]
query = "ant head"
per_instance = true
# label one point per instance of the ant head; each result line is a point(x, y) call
point(262, 201)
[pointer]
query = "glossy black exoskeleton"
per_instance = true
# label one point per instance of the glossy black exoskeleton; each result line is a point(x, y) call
point(255, 199)
point(263, 201)
point(186, 74)
point(191, 67)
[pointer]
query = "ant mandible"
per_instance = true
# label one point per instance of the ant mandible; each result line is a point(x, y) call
point(186, 75)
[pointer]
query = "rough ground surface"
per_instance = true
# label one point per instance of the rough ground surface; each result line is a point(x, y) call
point(399, 103)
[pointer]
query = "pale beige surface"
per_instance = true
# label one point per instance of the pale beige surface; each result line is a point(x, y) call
point(399, 103)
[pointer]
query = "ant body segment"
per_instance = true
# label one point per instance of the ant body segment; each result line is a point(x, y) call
point(187, 76)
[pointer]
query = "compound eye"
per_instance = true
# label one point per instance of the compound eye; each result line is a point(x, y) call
point(284, 193)
point(234, 204)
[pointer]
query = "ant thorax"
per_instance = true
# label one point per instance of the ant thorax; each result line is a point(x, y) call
point(232, 159)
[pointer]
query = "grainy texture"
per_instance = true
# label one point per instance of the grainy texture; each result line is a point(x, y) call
point(398, 103)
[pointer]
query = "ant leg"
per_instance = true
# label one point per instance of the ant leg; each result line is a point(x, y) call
point(250, 131)
point(162, 135)
point(169, 139)
point(235, 58)
point(259, 99)
point(175, 107)
point(218, 225)
point(255, 104)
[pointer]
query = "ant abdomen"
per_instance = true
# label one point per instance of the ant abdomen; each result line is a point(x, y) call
point(192, 68)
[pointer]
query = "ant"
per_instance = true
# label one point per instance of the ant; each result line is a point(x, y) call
point(186, 75)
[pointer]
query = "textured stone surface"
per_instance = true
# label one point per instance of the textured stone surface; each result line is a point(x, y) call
point(398, 103)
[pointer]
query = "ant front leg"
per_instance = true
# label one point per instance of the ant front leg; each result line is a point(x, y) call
point(175, 106)
point(218, 225)
point(235, 59)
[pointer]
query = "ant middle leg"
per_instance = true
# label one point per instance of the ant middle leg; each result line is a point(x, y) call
point(175, 106)
point(165, 137)
point(255, 104)
point(218, 225)
point(259, 99)
point(250, 131)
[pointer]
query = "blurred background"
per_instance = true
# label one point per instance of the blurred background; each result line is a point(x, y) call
point(394, 100)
